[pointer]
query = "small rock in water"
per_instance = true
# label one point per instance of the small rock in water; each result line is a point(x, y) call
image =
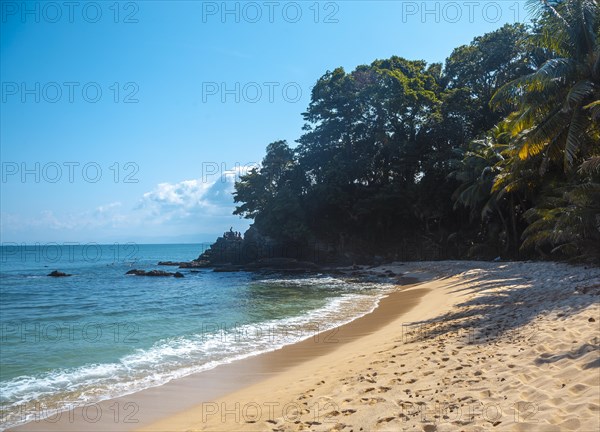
point(153, 273)
point(57, 273)
point(158, 273)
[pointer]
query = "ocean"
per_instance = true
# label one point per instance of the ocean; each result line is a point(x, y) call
point(77, 340)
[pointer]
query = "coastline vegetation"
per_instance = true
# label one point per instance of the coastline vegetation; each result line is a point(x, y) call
point(496, 152)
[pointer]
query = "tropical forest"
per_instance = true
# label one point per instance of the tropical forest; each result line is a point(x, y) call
point(494, 154)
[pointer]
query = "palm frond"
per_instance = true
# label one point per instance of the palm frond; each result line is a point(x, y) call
point(537, 140)
point(590, 165)
point(574, 139)
point(577, 93)
point(542, 80)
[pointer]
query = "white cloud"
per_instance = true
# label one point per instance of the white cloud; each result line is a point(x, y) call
point(189, 206)
point(188, 198)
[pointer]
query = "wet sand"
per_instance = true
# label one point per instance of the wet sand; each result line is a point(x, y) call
point(147, 407)
point(489, 347)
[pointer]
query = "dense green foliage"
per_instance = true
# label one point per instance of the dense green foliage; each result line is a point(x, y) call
point(494, 153)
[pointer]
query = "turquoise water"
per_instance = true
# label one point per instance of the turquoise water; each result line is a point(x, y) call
point(100, 334)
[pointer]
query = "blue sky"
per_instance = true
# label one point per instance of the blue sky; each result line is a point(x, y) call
point(130, 122)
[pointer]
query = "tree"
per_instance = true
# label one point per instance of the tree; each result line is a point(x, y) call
point(497, 152)
point(474, 72)
point(271, 194)
point(555, 103)
point(554, 130)
point(362, 148)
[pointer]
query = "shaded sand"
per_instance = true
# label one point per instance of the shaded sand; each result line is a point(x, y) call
point(491, 346)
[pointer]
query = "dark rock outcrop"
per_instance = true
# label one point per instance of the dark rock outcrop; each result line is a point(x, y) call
point(227, 268)
point(194, 264)
point(228, 249)
point(282, 264)
point(57, 273)
point(185, 264)
point(256, 252)
point(136, 272)
point(253, 247)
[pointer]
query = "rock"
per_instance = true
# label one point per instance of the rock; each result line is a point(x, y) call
point(227, 268)
point(158, 273)
point(194, 264)
point(185, 264)
point(591, 319)
point(57, 273)
point(227, 249)
point(136, 272)
point(282, 264)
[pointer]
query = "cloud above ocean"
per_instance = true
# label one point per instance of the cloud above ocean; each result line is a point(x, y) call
point(189, 207)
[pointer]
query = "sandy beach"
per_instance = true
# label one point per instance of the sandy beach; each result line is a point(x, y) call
point(490, 346)
point(471, 346)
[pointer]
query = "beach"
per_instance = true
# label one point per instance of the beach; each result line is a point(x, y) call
point(460, 346)
point(489, 346)
point(300, 216)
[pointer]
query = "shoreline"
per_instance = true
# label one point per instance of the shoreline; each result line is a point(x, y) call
point(491, 346)
point(146, 406)
point(477, 346)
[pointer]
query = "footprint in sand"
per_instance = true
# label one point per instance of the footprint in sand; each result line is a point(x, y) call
point(385, 420)
point(578, 388)
point(372, 401)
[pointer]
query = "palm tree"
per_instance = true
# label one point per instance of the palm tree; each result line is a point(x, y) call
point(558, 105)
point(567, 223)
point(492, 186)
point(555, 134)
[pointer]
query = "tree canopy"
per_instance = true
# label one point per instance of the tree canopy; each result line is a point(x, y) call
point(494, 153)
